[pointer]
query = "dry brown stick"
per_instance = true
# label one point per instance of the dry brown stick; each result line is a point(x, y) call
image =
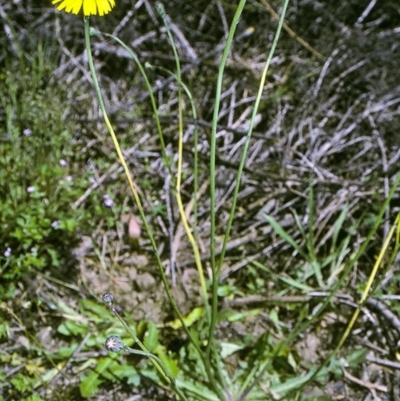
point(381, 308)
point(362, 383)
point(384, 362)
point(374, 304)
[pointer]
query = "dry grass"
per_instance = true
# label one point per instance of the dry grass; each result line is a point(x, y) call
point(333, 121)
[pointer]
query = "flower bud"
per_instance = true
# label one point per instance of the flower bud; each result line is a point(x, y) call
point(114, 344)
point(108, 298)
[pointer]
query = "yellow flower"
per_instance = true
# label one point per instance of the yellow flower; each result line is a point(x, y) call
point(90, 7)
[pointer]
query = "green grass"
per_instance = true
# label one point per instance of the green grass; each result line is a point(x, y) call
point(40, 225)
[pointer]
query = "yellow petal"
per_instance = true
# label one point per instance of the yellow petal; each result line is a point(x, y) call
point(90, 7)
point(69, 6)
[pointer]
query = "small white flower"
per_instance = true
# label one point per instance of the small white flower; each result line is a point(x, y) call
point(55, 224)
point(68, 178)
point(27, 132)
point(30, 189)
point(108, 202)
point(7, 252)
point(63, 163)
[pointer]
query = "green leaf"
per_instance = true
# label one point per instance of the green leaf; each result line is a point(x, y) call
point(296, 284)
point(356, 357)
point(63, 307)
point(33, 397)
point(71, 328)
point(151, 337)
point(191, 318)
point(68, 225)
point(95, 310)
point(4, 330)
point(284, 235)
point(228, 349)
point(66, 352)
point(90, 384)
point(55, 261)
point(292, 384)
point(22, 383)
point(169, 363)
point(124, 371)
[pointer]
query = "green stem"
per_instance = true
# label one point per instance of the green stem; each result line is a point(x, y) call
point(185, 223)
point(145, 352)
point(192, 240)
point(156, 361)
point(211, 347)
point(131, 184)
point(138, 202)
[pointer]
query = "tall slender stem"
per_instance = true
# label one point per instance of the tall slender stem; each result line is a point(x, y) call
point(213, 151)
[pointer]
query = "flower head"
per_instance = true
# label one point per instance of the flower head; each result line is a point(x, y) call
point(114, 344)
point(107, 298)
point(90, 7)
point(108, 202)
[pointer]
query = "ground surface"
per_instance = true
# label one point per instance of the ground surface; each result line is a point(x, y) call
point(327, 130)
